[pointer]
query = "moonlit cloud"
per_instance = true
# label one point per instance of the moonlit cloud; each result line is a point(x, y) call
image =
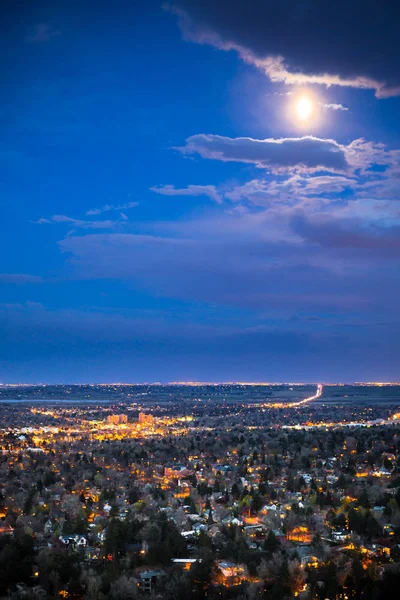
point(79, 223)
point(353, 234)
point(111, 208)
point(293, 187)
point(276, 154)
point(190, 190)
point(333, 106)
point(369, 169)
point(301, 44)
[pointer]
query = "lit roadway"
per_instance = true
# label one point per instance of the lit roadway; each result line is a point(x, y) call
point(317, 394)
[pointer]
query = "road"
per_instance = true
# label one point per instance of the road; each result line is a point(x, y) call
point(317, 394)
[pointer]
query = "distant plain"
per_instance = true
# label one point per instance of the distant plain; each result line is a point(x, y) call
point(214, 393)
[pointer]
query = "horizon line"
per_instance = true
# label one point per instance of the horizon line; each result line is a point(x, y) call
point(200, 383)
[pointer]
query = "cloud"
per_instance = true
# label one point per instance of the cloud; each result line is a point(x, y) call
point(190, 190)
point(353, 234)
point(273, 259)
point(296, 169)
point(43, 33)
point(54, 345)
point(296, 273)
point(294, 188)
point(19, 278)
point(303, 43)
point(333, 106)
point(276, 154)
point(110, 208)
point(366, 155)
point(326, 184)
point(79, 223)
point(280, 94)
point(39, 344)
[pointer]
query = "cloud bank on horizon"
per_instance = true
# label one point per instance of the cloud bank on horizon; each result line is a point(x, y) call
point(176, 236)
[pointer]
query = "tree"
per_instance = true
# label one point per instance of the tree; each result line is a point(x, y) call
point(164, 539)
point(256, 503)
point(115, 542)
point(201, 571)
point(124, 588)
point(28, 504)
point(178, 586)
point(16, 559)
point(271, 543)
point(296, 577)
point(92, 584)
point(235, 491)
point(133, 495)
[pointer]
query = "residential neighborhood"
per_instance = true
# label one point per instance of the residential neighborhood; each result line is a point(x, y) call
point(188, 504)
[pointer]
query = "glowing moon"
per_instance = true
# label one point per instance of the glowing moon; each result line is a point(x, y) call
point(304, 108)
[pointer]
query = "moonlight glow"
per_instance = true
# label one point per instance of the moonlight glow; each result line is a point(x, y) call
point(304, 108)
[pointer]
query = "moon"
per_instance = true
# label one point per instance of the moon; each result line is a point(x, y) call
point(304, 108)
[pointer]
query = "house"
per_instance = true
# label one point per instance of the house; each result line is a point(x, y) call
point(199, 527)
point(48, 527)
point(255, 531)
point(340, 536)
point(188, 534)
point(382, 472)
point(267, 508)
point(73, 541)
point(307, 478)
point(214, 530)
point(122, 514)
point(300, 534)
point(389, 529)
point(378, 509)
point(185, 563)
point(177, 472)
point(102, 535)
point(107, 507)
point(230, 573)
point(6, 530)
point(134, 549)
point(149, 579)
point(91, 553)
point(233, 521)
point(310, 560)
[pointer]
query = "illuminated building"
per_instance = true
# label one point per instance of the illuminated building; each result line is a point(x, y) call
point(116, 419)
point(146, 419)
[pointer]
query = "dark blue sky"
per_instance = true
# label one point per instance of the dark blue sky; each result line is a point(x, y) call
point(165, 216)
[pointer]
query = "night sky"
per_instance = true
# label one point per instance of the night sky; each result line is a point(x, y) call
point(204, 190)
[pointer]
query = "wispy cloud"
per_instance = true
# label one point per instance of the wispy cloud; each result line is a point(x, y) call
point(281, 94)
point(190, 190)
point(294, 189)
point(42, 33)
point(257, 260)
point(110, 208)
point(78, 223)
point(19, 278)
